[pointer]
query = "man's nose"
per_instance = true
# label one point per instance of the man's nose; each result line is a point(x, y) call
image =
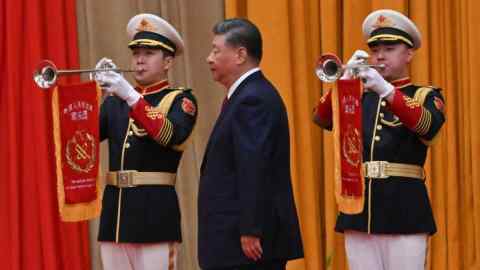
point(140, 59)
point(209, 58)
point(380, 55)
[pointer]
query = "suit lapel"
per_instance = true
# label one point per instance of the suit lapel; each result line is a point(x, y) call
point(212, 135)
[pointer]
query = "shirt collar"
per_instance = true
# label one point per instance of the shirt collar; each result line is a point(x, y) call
point(153, 88)
point(401, 83)
point(240, 80)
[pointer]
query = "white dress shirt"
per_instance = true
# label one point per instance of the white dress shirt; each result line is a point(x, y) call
point(240, 80)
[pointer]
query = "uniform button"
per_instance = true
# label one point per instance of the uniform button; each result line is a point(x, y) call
point(379, 127)
point(384, 103)
point(127, 145)
point(377, 138)
point(381, 115)
point(130, 133)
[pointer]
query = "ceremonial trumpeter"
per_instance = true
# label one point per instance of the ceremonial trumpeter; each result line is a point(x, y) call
point(146, 127)
point(400, 120)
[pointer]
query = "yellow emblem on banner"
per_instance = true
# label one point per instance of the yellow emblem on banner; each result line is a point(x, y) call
point(80, 151)
point(350, 149)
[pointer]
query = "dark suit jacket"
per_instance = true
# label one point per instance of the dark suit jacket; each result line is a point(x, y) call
point(245, 182)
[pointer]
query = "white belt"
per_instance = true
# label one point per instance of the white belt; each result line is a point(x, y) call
point(385, 169)
point(132, 178)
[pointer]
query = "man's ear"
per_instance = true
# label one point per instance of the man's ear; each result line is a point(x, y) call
point(410, 53)
point(168, 62)
point(242, 55)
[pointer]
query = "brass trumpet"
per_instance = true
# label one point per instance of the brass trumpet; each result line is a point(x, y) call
point(46, 73)
point(329, 67)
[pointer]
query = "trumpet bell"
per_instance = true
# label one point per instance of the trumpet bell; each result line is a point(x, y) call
point(329, 68)
point(45, 75)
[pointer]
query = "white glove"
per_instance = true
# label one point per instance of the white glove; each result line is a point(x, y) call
point(116, 84)
point(101, 64)
point(105, 63)
point(374, 81)
point(358, 57)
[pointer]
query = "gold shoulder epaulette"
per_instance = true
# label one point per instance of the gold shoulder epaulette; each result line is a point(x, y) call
point(422, 93)
point(181, 88)
point(436, 88)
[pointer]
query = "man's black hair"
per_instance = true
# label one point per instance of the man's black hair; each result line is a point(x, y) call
point(241, 32)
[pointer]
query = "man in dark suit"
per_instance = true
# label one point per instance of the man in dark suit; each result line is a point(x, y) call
point(246, 211)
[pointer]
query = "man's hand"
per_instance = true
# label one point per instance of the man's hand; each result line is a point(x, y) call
point(117, 85)
point(374, 81)
point(102, 64)
point(105, 63)
point(251, 247)
point(358, 57)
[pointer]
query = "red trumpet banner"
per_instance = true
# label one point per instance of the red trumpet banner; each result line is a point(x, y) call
point(75, 111)
point(348, 145)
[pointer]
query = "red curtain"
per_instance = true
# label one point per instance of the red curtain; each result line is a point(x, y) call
point(31, 233)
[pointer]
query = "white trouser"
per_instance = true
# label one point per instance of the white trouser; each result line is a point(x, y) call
point(130, 256)
point(385, 251)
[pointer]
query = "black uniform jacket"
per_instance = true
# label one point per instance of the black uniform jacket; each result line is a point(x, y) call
point(396, 205)
point(144, 214)
point(245, 182)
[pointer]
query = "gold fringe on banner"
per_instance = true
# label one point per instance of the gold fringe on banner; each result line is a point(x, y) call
point(346, 204)
point(78, 211)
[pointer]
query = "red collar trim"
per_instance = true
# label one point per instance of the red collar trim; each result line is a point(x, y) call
point(403, 82)
point(154, 88)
